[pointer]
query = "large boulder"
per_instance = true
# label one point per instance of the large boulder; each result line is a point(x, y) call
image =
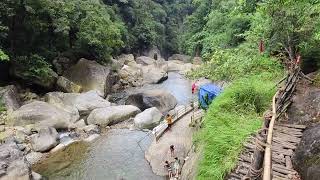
point(90, 76)
point(160, 99)
point(131, 76)
point(153, 74)
point(148, 119)
point(126, 59)
point(306, 158)
point(305, 106)
point(144, 60)
point(46, 139)
point(13, 166)
point(42, 114)
point(10, 97)
point(180, 57)
point(112, 115)
point(67, 86)
point(84, 102)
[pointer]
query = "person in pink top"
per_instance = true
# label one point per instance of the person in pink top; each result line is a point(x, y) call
point(194, 87)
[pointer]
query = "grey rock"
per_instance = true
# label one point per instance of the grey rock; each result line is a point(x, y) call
point(13, 165)
point(148, 119)
point(84, 103)
point(46, 139)
point(42, 114)
point(306, 156)
point(112, 115)
point(152, 74)
point(162, 100)
point(90, 76)
point(126, 59)
point(144, 60)
point(34, 157)
point(10, 97)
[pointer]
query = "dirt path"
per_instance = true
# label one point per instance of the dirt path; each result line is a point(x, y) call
point(180, 135)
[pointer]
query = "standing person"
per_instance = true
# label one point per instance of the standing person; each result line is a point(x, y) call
point(194, 87)
point(193, 90)
point(176, 167)
point(169, 121)
point(172, 150)
point(168, 167)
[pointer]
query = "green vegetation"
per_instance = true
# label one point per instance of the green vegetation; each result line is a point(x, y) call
point(228, 33)
point(233, 116)
point(93, 29)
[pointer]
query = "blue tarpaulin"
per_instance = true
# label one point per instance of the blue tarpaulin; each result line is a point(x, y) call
point(207, 93)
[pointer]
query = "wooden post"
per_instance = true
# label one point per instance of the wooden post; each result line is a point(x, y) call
point(267, 155)
point(255, 170)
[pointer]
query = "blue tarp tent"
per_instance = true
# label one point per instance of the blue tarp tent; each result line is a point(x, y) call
point(207, 93)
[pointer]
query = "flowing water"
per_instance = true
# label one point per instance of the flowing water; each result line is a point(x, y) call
point(176, 84)
point(116, 155)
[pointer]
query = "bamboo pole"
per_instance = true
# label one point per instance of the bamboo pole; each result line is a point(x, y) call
point(267, 155)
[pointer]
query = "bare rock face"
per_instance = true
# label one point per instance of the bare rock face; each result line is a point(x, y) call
point(305, 106)
point(306, 159)
point(160, 99)
point(112, 115)
point(10, 97)
point(90, 76)
point(12, 163)
point(46, 139)
point(43, 114)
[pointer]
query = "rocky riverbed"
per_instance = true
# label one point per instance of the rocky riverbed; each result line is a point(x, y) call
point(62, 130)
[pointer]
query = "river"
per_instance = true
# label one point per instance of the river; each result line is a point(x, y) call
point(116, 155)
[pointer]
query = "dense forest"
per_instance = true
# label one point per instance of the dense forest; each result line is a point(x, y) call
point(34, 32)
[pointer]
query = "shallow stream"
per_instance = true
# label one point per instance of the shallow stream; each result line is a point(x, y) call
point(116, 155)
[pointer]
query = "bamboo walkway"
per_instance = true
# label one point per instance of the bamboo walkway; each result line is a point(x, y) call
point(268, 154)
point(285, 140)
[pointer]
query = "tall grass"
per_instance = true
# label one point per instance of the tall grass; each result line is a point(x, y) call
point(231, 118)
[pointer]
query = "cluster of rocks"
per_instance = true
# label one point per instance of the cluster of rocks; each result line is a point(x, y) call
point(31, 124)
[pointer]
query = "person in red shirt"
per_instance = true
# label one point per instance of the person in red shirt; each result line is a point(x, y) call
point(193, 87)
